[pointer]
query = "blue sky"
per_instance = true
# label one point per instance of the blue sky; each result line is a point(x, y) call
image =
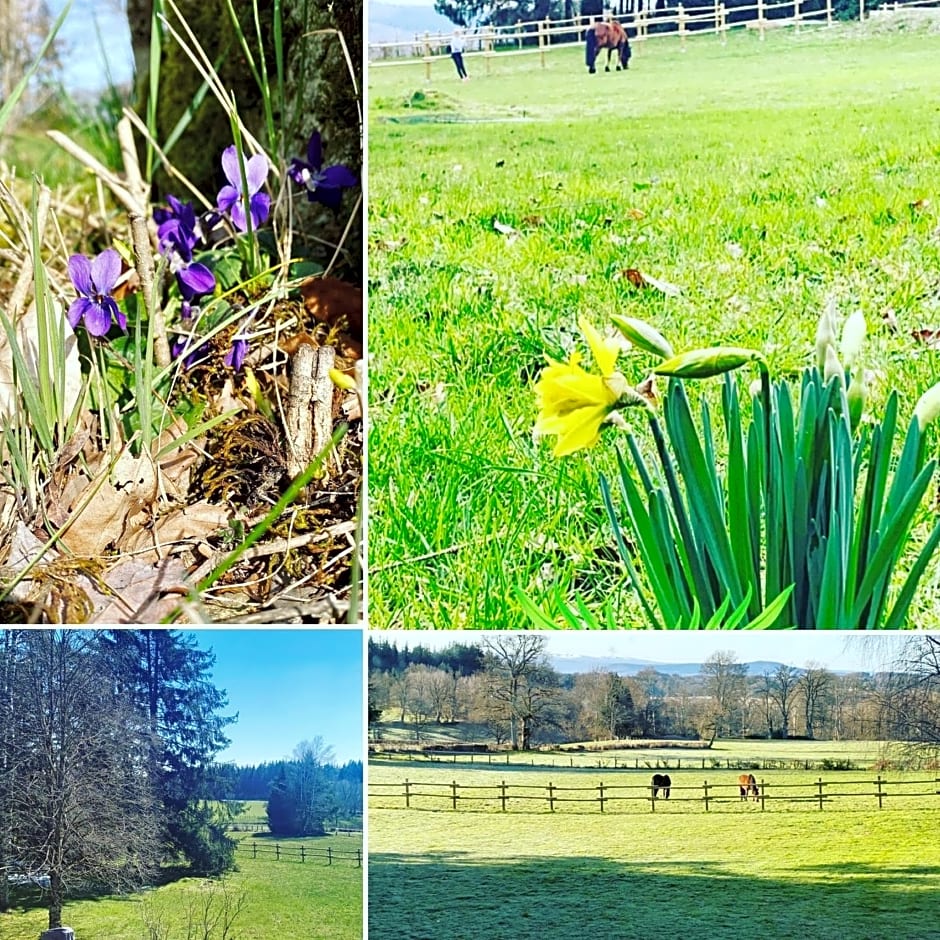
point(83, 61)
point(833, 649)
point(289, 686)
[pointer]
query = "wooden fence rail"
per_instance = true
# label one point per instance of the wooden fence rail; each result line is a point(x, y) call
point(416, 794)
point(540, 36)
point(298, 853)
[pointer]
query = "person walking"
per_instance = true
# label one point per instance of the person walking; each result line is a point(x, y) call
point(457, 46)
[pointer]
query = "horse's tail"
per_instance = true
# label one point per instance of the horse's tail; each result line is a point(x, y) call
point(590, 49)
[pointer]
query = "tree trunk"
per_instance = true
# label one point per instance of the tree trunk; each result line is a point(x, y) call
point(56, 899)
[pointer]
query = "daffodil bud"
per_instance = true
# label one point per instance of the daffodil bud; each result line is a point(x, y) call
point(825, 333)
point(927, 408)
point(643, 336)
point(342, 380)
point(832, 367)
point(705, 363)
point(853, 335)
point(856, 395)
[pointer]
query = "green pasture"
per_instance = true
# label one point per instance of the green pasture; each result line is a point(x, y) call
point(853, 875)
point(791, 870)
point(862, 754)
point(281, 898)
point(760, 178)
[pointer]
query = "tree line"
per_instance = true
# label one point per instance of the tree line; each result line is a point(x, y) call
point(518, 698)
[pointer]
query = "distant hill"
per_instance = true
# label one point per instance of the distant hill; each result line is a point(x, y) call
point(392, 22)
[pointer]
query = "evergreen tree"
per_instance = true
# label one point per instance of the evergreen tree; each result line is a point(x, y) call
point(168, 677)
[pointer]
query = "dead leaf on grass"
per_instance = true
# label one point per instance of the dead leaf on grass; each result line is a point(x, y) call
point(930, 337)
point(171, 529)
point(640, 280)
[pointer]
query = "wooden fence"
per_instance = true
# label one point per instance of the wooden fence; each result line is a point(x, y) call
point(413, 794)
point(585, 761)
point(541, 36)
point(297, 853)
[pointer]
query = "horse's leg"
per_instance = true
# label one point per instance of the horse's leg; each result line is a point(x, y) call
point(607, 67)
point(590, 51)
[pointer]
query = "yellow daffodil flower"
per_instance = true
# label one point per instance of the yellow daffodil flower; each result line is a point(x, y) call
point(574, 403)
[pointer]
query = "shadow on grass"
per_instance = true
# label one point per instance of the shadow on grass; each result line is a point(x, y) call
point(453, 895)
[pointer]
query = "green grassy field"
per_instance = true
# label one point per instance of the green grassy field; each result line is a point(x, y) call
point(861, 753)
point(282, 898)
point(758, 177)
point(851, 870)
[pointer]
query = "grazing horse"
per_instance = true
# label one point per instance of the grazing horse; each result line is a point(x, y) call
point(607, 36)
point(661, 782)
point(748, 785)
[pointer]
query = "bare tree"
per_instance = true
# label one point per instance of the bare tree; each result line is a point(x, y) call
point(782, 686)
point(815, 684)
point(726, 684)
point(910, 698)
point(649, 697)
point(510, 659)
point(83, 806)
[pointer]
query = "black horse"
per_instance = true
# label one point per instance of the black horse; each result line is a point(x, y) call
point(607, 36)
point(663, 783)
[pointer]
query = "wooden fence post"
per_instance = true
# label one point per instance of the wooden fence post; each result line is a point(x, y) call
point(487, 57)
point(724, 24)
point(551, 797)
point(652, 800)
point(763, 787)
point(407, 794)
point(277, 852)
point(760, 19)
point(681, 28)
point(427, 57)
point(820, 786)
point(829, 12)
point(329, 855)
point(254, 849)
point(601, 797)
point(861, 11)
point(880, 793)
point(502, 795)
point(303, 857)
point(359, 858)
point(453, 794)
point(796, 15)
point(705, 786)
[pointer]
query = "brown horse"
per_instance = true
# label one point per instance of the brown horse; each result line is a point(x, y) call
point(748, 786)
point(607, 36)
point(661, 782)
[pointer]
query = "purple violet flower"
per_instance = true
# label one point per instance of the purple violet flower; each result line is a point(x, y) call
point(323, 184)
point(231, 198)
point(236, 355)
point(94, 281)
point(195, 280)
point(176, 229)
point(194, 354)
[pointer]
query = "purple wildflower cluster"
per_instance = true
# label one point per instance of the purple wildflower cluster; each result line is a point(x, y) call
point(180, 230)
point(323, 184)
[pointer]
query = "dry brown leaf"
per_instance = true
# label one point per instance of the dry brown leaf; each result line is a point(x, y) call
point(115, 503)
point(636, 214)
point(929, 337)
point(640, 280)
point(196, 521)
point(332, 301)
point(135, 591)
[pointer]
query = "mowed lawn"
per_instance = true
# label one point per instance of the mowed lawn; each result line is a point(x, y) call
point(856, 873)
point(282, 898)
point(759, 178)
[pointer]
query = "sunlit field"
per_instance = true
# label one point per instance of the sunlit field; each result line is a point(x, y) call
point(758, 178)
point(787, 869)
